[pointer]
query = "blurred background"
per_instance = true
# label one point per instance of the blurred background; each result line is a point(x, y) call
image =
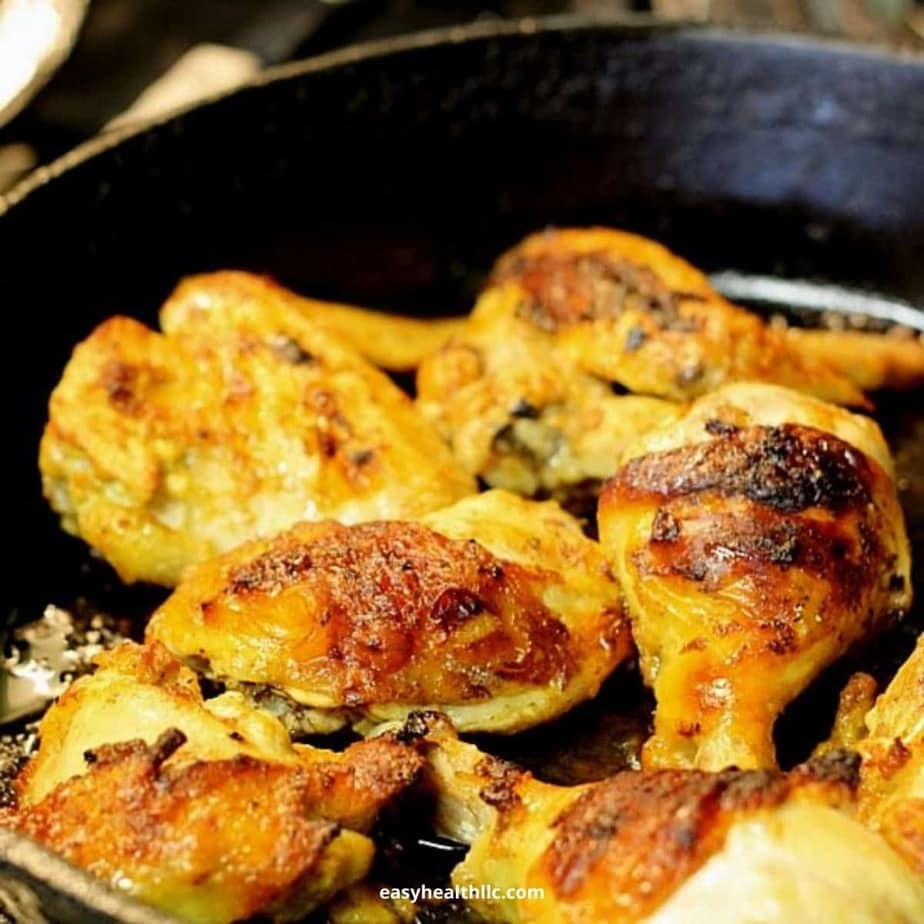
point(70, 69)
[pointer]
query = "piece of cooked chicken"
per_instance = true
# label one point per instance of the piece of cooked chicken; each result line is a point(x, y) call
point(629, 311)
point(664, 847)
point(201, 807)
point(208, 841)
point(242, 418)
point(141, 692)
point(849, 726)
point(497, 610)
point(894, 359)
point(892, 773)
point(756, 540)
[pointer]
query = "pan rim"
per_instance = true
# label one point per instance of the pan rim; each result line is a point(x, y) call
point(626, 23)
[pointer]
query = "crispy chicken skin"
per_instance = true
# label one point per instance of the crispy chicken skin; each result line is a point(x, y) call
point(242, 418)
point(629, 311)
point(208, 841)
point(667, 846)
point(756, 540)
point(207, 810)
point(389, 341)
point(497, 609)
point(142, 691)
point(892, 773)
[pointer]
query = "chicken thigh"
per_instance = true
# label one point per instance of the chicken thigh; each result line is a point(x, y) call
point(241, 419)
point(497, 609)
point(201, 807)
point(756, 540)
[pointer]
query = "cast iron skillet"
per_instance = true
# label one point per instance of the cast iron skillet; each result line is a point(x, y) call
point(392, 174)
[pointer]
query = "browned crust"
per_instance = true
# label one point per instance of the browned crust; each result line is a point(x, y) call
point(397, 612)
point(562, 288)
point(645, 833)
point(788, 468)
point(713, 550)
point(502, 780)
point(240, 824)
point(757, 503)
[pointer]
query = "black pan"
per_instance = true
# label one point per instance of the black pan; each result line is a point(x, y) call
point(392, 174)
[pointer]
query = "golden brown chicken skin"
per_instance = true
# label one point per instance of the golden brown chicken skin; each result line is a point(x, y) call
point(497, 609)
point(240, 419)
point(201, 807)
point(892, 773)
point(756, 540)
point(629, 311)
point(664, 847)
point(208, 841)
point(390, 341)
point(892, 360)
point(142, 691)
